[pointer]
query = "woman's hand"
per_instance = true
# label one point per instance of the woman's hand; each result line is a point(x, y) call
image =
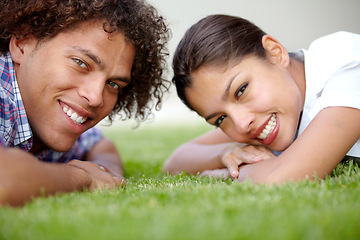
point(235, 155)
point(217, 173)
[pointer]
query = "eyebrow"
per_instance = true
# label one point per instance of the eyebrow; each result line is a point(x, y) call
point(98, 62)
point(91, 55)
point(225, 95)
point(227, 90)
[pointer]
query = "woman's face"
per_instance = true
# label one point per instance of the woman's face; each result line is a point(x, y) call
point(255, 101)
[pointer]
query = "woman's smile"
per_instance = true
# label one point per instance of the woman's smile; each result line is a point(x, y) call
point(268, 131)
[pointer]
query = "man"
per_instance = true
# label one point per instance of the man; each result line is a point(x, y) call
point(65, 65)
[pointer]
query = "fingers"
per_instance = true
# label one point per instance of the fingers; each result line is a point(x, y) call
point(103, 168)
point(118, 182)
point(235, 155)
point(248, 157)
point(252, 151)
point(231, 162)
point(109, 182)
point(115, 181)
point(217, 173)
point(99, 176)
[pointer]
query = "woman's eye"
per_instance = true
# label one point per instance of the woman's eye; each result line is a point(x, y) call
point(80, 63)
point(240, 90)
point(219, 120)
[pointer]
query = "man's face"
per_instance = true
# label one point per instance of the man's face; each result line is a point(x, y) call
point(71, 82)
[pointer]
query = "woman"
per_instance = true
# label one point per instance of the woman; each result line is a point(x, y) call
point(261, 98)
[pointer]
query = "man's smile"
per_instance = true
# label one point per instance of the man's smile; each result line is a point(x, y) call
point(75, 117)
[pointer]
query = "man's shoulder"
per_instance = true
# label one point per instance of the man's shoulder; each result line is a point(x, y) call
point(7, 73)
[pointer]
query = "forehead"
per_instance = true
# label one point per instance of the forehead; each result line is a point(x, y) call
point(112, 52)
point(92, 35)
point(206, 84)
point(209, 77)
point(89, 28)
point(217, 72)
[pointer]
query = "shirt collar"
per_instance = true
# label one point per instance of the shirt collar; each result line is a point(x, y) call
point(10, 85)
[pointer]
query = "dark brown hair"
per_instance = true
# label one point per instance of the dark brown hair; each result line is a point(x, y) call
point(140, 23)
point(214, 40)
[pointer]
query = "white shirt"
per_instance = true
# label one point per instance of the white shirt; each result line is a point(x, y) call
point(332, 72)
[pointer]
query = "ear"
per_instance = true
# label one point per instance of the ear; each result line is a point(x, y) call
point(275, 52)
point(21, 47)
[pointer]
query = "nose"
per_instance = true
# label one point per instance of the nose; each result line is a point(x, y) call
point(92, 92)
point(242, 120)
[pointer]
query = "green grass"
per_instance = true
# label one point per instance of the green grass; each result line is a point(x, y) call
point(158, 206)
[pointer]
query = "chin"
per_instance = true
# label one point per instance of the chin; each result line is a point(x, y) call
point(59, 146)
point(281, 147)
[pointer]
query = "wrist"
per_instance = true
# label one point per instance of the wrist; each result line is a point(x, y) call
point(226, 151)
point(79, 179)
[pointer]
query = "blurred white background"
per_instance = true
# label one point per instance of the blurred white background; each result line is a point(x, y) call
point(294, 23)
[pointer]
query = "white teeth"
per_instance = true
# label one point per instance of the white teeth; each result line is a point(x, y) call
point(269, 128)
point(74, 116)
point(80, 119)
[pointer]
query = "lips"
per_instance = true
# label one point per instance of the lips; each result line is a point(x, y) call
point(268, 128)
point(74, 116)
point(267, 132)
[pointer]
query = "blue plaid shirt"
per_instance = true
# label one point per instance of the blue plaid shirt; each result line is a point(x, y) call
point(15, 129)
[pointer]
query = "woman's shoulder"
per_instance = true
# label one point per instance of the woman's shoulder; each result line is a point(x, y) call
point(338, 42)
point(334, 51)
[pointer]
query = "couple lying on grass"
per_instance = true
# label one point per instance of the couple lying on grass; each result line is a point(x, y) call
point(66, 65)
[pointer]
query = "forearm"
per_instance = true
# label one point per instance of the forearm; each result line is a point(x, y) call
point(316, 152)
point(291, 165)
point(23, 177)
point(104, 153)
point(275, 171)
point(193, 158)
point(262, 172)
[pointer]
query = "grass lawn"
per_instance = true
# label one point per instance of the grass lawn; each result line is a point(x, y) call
point(157, 206)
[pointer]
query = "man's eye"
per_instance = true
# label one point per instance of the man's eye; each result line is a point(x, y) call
point(219, 120)
point(113, 85)
point(240, 90)
point(80, 63)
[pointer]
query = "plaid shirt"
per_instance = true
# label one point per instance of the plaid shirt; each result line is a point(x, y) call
point(15, 129)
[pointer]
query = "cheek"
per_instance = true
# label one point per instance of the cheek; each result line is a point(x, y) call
point(231, 133)
point(109, 103)
point(236, 137)
point(229, 129)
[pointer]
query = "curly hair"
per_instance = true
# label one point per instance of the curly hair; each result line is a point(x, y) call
point(137, 20)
